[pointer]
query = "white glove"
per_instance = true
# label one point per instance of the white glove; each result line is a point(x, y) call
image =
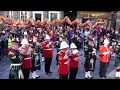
point(77, 59)
point(66, 62)
point(75, 51)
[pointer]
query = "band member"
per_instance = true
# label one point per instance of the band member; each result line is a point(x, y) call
point(74, 61)
point(104, 58)
point(47, 53)
point(27, 61)
point(63, 61)
point(35, 60)
point(16, 59)
point(90, 54)
point(58, 45)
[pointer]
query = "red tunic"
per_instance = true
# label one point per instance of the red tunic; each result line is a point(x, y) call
point(104, 58)
point(27, 61)
point(47, 51)
point(74, 63)
point(62, 67)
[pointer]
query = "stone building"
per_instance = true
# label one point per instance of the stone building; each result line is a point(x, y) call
point(113, 19)
point(36, 15)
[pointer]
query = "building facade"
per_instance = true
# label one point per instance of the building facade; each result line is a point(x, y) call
point(112, 19)
point(36, 15)
point(93, 16)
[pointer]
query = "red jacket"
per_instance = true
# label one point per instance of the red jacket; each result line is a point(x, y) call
point(47, 51)
point(104, 58)
point(27, 61)
point(62, 67)
point(74, 63)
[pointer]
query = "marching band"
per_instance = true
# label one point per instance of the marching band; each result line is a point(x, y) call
point(29, 45)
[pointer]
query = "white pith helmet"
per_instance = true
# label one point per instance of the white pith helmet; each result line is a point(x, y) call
point(106, 41)
point(73, 46)
point(64, 45)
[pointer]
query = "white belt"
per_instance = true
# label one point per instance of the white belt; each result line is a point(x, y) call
point(66, 62)
point(16, 64)
point(27, 58)
point(47, 49)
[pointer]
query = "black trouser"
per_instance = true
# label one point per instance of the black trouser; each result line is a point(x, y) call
point(63, 76)
point(103, 69)
point(0, 55)
point(98, 45)
point(73, 73)
point(26, 73)
point(47, 64)
point(57, 56)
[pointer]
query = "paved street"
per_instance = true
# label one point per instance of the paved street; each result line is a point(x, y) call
point(4, 69)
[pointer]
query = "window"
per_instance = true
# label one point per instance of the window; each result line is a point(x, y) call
point(23, 15)
point(9, 14)
point(54, 15)
point(38, 15)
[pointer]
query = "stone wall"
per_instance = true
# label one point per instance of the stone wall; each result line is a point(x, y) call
point(2, 13)
point(16, 14)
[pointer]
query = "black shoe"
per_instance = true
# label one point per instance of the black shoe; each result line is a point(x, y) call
point(49, 72)
point(37, 77)
point(102, 77)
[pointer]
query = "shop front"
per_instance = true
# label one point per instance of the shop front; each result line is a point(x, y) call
point(94, 16)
